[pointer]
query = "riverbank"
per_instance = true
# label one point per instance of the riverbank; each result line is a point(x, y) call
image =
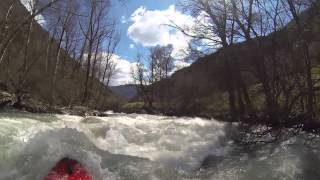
point(298, 121)
point(25, 102)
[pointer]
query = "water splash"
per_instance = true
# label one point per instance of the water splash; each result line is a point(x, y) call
point(144, 147)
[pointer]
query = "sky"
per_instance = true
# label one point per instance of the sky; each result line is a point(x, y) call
point(142, 24)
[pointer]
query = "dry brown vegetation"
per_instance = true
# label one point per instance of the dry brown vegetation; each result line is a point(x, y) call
point(54, 65)
point(271, 77)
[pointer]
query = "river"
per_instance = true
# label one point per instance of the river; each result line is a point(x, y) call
point(146, 147)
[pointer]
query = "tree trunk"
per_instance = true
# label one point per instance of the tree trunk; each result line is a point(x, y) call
point(55, 69)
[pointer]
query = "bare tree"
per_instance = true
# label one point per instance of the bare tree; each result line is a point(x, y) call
point(151, 70)
point(64, 24)
point(144, 78)
point(10, 35)
point(109, 65)
point(162, 61)
point(105, 64)
point(5, 27)
point(294, 7)
point(222, 23)
point(108, 36)
point(213, 24)
point(95, 24)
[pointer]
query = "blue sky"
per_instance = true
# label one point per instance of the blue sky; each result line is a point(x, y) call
point(122, 12)
point(141, 24)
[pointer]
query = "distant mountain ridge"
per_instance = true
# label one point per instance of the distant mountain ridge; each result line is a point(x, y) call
point(127, 92)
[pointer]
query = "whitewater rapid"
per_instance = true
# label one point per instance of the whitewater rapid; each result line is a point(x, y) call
point(145, 147)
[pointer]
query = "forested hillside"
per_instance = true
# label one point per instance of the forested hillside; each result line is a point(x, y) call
point(61, 65)
point(269, 77)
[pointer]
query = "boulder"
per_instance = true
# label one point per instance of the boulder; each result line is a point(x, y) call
point(30, 104)
point(7, 99)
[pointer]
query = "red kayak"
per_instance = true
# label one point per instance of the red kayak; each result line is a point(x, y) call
point(68, 169)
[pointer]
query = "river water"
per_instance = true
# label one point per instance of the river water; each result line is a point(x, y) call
point(146, 147)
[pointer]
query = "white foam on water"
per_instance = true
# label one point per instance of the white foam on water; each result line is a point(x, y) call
point(135, 147)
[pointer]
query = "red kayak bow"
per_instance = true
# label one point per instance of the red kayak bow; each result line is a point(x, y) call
point(68, 169)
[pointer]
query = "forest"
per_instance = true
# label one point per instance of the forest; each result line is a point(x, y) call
point(99, 89)
point(67, 62)
point(264, 68)
point(254, 61)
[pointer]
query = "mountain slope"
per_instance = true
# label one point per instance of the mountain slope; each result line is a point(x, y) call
point(37, 79)
point(274, 61)
point(127, 92)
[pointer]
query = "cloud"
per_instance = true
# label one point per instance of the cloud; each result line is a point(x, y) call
point(27, 4)
point(124, 68)
point(179, 64)
point(123, 71)
point(39, 18)
point(150, 28)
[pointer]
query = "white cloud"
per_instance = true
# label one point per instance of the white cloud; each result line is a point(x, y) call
point(27, 4)
point(132, 46)
point(179, 64)
point(39, 18)
point(150, 28)
point(124, 68)
point(123, 71)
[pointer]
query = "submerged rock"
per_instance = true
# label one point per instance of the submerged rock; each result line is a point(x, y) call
point(211, 161)
point(91, 120)
point(82, 111)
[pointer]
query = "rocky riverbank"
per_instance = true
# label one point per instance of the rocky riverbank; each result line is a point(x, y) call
point(31, 104)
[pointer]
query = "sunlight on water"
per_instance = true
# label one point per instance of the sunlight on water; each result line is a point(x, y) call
point(143, 147)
